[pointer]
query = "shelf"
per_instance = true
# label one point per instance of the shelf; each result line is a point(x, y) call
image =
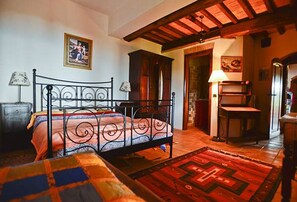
point(234, 94)
point(233, 105)
point(235, 88)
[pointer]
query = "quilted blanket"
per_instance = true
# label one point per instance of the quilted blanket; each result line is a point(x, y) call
point(77, 177)
point(111, 130)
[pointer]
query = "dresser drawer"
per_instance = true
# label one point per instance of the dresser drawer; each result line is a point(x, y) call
point(16, 110)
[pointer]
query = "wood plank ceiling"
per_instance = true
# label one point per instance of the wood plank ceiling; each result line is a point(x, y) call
point(205, 20)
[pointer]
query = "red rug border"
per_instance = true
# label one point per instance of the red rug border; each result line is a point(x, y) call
point(258, 196)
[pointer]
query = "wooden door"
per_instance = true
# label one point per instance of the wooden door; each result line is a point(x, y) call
point(144, 93)
point(276, 98)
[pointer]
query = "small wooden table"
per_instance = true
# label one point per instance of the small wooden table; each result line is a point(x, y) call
point(289, 129)
point(243, 113)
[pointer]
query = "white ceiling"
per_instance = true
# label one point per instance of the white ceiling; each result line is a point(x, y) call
point(127, 16)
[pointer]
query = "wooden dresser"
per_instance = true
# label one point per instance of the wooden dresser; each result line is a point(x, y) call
point(14, 118)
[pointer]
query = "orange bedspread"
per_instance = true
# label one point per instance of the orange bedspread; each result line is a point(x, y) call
point(115, 131)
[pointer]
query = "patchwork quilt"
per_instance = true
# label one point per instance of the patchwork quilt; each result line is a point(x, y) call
point(78, 177)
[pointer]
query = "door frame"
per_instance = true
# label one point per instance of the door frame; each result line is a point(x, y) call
point(187, 58)
point(276, 96)
point(285, 61)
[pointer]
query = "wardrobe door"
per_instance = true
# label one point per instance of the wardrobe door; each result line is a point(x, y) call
point(150, 77)
point(166, 73)
point(144, 78)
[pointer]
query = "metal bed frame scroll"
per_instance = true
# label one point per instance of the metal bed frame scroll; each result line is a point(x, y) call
point(146, 119)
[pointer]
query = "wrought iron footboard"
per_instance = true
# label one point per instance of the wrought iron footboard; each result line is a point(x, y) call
point(148, 125)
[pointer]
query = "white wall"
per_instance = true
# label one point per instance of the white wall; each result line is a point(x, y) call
point(32, 36)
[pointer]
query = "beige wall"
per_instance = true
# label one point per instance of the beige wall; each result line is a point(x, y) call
point(225, 47)
point(281, 45)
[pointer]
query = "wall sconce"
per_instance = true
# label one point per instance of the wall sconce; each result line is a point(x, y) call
point(217, 76)
point(19, 79)
point(126, 87)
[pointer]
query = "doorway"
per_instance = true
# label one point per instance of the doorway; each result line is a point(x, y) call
point(276, 97)
point(280, 105)
point(196, 90)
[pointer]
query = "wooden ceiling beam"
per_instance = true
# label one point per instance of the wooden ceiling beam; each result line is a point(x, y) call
point(186, 27)
point(227, 12)
point(185, 11)
point(281, 30)
point(211, 18)
point(174, 30)
point(283, 16)
point(248, 9)
point(269, 5)
point(262, 34)
point(189, 40)
point(167, 34)
point(154, 38)
point(194, 19)
point(158, 34)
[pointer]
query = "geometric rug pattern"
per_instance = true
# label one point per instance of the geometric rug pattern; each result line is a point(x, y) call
point(211, 175)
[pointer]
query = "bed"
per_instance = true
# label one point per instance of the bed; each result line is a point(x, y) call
point(77, 177)
point(71, 116)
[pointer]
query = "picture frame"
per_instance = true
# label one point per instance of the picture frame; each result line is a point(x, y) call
point(77, 52)
point(231, 63)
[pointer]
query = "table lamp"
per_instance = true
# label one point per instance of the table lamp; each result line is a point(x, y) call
point(126, 87)
point(19, 79)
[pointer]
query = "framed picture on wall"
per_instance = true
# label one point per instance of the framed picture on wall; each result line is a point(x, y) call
point(231, 63)
point(77, 52)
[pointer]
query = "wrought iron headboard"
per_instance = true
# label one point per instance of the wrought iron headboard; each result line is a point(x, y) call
point(71, 93)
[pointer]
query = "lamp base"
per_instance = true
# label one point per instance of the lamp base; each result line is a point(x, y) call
point(217, 139)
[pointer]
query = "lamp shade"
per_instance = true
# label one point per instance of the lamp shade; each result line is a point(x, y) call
point(217, 76)
point(126, 87)
point(19, 79)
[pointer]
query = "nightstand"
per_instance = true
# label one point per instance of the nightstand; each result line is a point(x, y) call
point(125, 105)
point(14, 118)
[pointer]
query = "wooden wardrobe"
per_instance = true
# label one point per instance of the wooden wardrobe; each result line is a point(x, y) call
point(149, 76)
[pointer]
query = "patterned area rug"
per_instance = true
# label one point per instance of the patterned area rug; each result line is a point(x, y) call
point(211, 175)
